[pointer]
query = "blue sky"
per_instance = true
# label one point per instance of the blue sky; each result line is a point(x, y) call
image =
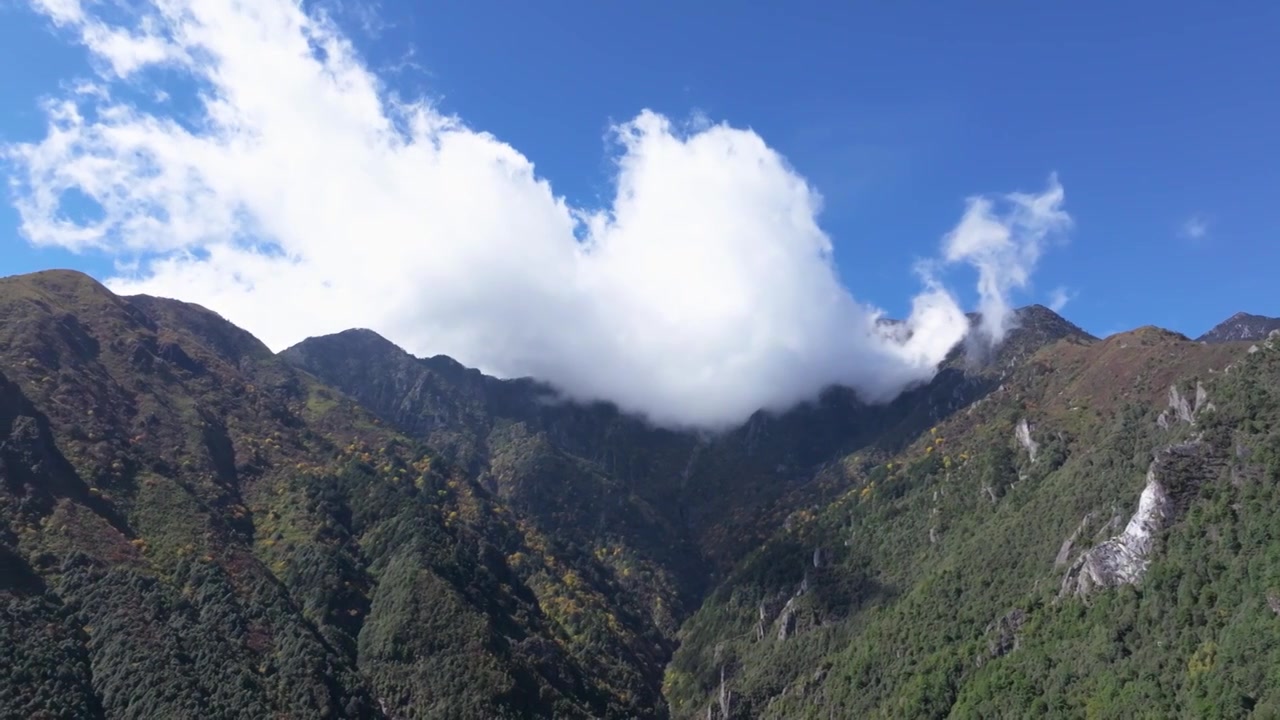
point(1153, 114)
point(1158, 118)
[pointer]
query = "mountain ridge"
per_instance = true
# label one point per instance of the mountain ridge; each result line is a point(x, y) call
point(1241, 327)
point(344, 529)
point(198, 459)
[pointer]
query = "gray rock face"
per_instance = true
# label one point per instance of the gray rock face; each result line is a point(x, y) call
point(1064, 552)
point(787, 620)
point(1174, 477)
point(1023, 433)
point(1123, 559)
point(1004, 633)
point(1180, 405)
point(1184, 409)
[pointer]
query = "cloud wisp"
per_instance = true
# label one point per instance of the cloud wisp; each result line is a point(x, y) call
point(306, 198)
point(1194, 228)
point(1059, 297)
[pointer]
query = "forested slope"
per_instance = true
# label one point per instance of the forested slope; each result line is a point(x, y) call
point(191, 526)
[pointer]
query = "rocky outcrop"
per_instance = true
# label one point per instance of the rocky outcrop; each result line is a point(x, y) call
point(1003, 634)
point(1023, 434)
point(1064, 552)
point(1180, 406)
point(1174, 477)
point(1184, 409)
point(1124, 558)
point(787, 618)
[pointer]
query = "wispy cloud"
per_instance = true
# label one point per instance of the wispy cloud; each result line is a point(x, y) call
point(1004, 238)
point(1059, 297)
point(704, 291)
point(1194, 228)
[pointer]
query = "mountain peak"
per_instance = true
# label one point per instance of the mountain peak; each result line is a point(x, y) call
point(1241, 327)
point(1146, 336)
point(65, 285)
point(1033, 327)
point(54, 277)
point(359, 351)
point(1039, 317)
point(1040, 320)
point(362, 343)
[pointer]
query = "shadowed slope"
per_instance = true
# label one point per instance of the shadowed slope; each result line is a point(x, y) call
point(219, 534)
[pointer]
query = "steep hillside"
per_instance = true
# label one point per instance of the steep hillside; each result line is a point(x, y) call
point(710, 499)
point(597, 474)
point(1241, 327)
point(975, 574)
point(189, 527)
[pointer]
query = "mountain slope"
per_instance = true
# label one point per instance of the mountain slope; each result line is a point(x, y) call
point(719, 497)
point(712, 496)
point(1241, 327)
point(191, 526)
point(914, 594)
point(205, 531)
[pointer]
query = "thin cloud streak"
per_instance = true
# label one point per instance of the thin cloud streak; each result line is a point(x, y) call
point(1059, 297)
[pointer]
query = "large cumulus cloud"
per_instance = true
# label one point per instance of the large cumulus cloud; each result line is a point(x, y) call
point(304, 198)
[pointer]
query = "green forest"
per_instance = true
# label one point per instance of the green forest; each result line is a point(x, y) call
point(193, 526)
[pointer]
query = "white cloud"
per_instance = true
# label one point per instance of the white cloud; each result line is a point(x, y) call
point(308, 200)
point(1004, 239)
point(124, 49)
point(1194, 228)
point(1059, 297)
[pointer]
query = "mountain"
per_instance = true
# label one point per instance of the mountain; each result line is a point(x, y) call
point(930, 588)
point(1241, 327)
point(191, 526)
point(712, 495)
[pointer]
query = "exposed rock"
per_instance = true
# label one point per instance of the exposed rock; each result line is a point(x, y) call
point(1202, 398)
point(1180, 405)
point(1173, 478)
point(1183, 410)
point(787, 620)
point(1064, 553)
point(725, 698)
point(1023, 433)
point(1122, 559)
point(1112, 526)
point(1005, 633)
